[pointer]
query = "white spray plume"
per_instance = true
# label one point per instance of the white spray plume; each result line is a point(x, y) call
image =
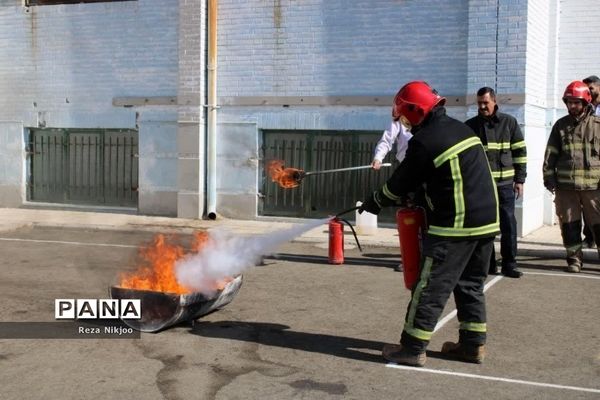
point(226, 254)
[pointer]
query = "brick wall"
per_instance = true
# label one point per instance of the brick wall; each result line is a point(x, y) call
point(337, 47)
point(62, 65)
point(578, 40)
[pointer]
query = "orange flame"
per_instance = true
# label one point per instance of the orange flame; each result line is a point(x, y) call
point(156, 268)
point(286, 177)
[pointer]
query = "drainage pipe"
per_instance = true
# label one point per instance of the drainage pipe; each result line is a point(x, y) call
point(211, 134)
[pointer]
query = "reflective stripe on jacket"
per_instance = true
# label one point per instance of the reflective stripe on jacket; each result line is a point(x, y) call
point(572, 157)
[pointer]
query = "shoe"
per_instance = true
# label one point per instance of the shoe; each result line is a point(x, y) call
point(493, 271)
point(512, 273)
point(461, 352)
point(396, 353)
point(399, 268)
point(574, 267)
point(589, 242)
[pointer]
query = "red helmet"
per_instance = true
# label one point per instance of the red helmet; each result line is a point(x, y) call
point(414, 101)
point(577, 90)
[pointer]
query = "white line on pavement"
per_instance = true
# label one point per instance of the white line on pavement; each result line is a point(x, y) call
point(493, 378)
point(71, 243)
point(564, 275)
point(452, 314)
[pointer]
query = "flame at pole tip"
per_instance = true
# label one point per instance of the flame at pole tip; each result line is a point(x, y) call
point(287, 178)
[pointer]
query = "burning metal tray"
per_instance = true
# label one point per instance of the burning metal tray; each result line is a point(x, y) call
point(161, 310)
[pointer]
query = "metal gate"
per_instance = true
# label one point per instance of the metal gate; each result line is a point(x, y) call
point(83, 166)
point(322, 195)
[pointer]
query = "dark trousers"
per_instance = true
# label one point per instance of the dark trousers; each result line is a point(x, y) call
point(508, 229)
point(449, 266)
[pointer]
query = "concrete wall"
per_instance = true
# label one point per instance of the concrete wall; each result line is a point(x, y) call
point(63, 65)
point(191, 124)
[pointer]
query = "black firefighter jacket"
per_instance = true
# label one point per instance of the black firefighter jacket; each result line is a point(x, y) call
point(504, 144)
point(446, 156)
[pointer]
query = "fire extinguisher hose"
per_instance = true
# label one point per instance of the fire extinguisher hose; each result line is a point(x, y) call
point(351, 228)
point(347, 211)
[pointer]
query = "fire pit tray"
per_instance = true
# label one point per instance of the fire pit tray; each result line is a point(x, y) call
point(161, 310)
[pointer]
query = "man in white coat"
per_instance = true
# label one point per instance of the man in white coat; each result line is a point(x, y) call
point(396, 133)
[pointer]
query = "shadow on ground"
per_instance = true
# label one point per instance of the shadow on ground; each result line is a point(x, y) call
point(279, 335)
point(310, 259)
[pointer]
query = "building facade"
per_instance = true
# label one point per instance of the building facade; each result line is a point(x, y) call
point(122, 87)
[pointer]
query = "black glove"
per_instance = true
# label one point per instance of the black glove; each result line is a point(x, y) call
point(370, 205)
point(375, 202)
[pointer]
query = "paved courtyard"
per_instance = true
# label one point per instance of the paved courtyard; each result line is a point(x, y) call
point(298, 328)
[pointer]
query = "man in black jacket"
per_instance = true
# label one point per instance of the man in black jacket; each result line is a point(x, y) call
point(507, 154)
point(462, 215)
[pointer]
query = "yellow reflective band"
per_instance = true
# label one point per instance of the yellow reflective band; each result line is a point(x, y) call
point(551, 150)
point(578, 172)
point(517, 145)
point(480, 230)
point(574, 248)
point(574, 146)
point(389, 194)
point(456, 149)
point(520, 160)
point(459, 200)
point(497, 201)
point(419, 333)
point(473, 326)
point(499, 146)
point(578, 181)
point(410, 319)
point(503, 174)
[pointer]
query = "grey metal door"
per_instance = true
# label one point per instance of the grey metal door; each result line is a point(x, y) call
point(83, 166)
point(326, 194)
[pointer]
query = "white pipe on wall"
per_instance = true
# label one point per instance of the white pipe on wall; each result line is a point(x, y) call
point(211, 134)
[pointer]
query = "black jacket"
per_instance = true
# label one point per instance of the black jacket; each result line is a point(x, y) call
point(449, 159)
point(504, 145)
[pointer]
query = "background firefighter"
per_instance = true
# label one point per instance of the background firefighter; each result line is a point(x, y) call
point(505, 148)
point(462, 213)
point(572, 171)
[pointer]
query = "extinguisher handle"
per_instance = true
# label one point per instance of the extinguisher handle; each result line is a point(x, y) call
point(352, 229)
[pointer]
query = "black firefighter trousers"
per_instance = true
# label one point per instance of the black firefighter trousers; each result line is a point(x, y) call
point(458, 266)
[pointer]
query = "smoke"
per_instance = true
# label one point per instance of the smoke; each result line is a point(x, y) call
point(226, 254)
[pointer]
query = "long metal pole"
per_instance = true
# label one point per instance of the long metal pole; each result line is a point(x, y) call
point(343, 169)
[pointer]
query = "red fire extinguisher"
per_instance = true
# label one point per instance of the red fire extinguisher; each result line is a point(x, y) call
point(411, 224)
point(336, 241)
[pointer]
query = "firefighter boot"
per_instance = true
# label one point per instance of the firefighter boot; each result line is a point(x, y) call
point(462, 352)
point(571, 234)
point(574, 262)
point(396, 353)
point(574, 266)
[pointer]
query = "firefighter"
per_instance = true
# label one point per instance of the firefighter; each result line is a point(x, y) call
point(462, 213)
point(572, 171)
point(507, 154)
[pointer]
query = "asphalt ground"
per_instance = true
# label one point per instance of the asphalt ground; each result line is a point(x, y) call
point(299, 328)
